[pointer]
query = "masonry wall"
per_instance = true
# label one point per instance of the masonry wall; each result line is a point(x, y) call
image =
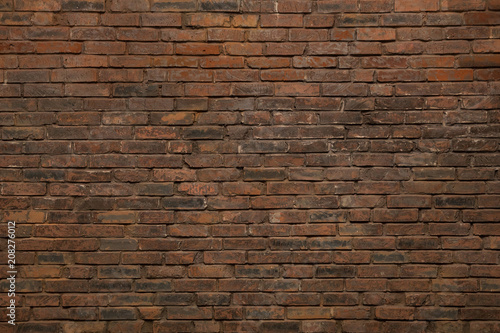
point(251, 166)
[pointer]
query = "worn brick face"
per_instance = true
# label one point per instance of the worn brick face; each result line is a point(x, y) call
point(252, 165)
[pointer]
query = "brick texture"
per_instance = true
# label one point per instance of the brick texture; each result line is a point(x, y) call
point(251, 165)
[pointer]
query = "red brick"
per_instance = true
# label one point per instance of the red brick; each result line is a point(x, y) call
point(285, 49)
point(280, 20)
point(129, 5)
point(25, 5)
point(337, 6)
point(318, 21)
point(327, 48)
point(409, 6)
point(485, 18)
point(459, 5)
point(207, 20)
point(23, 189)
point(223, 136)
point(161, 20)
point(245, 20)
point(176, 5)
point(295, 6)
point(389, 75)
point(376, 34)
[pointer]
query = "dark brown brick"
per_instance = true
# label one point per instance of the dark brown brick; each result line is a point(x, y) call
point(193, 164)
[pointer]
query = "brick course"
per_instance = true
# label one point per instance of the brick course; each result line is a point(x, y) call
point(251, 165)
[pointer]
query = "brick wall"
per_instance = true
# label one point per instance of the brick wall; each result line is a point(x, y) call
point(251, 166)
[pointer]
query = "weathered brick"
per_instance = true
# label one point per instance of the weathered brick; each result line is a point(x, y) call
point(222, 165)
point(409, 6)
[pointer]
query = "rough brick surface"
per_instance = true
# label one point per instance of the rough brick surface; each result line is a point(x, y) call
point(251, 165)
